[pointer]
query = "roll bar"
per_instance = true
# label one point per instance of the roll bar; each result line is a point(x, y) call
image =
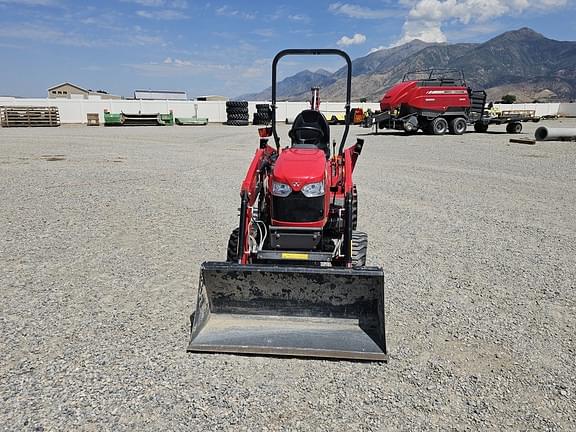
point(317, 51)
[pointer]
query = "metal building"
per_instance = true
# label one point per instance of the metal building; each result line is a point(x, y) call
point(160, 95)
point(68, 90)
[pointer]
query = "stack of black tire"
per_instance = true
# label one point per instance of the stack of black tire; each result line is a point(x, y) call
point(237, 113)
point(263, 114)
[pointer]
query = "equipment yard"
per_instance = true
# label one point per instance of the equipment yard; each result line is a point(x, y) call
point(103, 231)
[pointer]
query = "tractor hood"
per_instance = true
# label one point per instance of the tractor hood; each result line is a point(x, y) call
point(298, 167)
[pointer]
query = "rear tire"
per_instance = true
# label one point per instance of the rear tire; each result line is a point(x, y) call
point(237, 122)
point(439, 126)
point(236, 104)
point(359, 248)
point(238, 117)
point(232, 252)
point(236, 110)
point(480, 127)
point(514, 128)
point(458, 125)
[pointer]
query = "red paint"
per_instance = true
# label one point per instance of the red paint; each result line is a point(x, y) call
point(301, 166)
point(298, 167)
point(433, 98)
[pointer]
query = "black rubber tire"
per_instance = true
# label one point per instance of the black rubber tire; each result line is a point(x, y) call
point(236, 110)
point(261, 119)
point(359, 248)
point(439, 126)
point(410, 129)
point(354, 207)
point(458, 126)
point(236, 104)
point(262, 116)
point(480, 127)
point(237, 122)
point(514, 127)
point(238, 116)
point(232, 251)
point(262, 107)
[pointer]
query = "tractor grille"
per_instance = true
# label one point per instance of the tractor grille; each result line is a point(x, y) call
point(297, 208)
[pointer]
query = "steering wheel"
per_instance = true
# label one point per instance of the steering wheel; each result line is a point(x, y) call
point(316, 130)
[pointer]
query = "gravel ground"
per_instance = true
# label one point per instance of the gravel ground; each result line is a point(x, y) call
point(103, 231)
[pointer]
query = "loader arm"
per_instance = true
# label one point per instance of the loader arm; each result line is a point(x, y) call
point(260, 161)
point(248, 194)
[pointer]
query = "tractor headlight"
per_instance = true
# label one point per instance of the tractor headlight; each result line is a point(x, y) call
point(313, 189)
point(280, 189)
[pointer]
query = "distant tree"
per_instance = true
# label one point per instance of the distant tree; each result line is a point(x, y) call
point(362, 100)
point(508, 99)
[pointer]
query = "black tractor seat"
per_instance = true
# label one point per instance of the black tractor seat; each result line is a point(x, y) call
point(310, 129)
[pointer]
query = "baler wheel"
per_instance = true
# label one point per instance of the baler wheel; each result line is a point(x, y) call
point(439, 126)
point(514, 127)
point(458, 125)
point(410, 129)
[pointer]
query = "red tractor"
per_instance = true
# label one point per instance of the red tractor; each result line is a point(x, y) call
point(295, 280)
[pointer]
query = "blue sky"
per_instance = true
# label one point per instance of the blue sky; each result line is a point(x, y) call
point(226, 47)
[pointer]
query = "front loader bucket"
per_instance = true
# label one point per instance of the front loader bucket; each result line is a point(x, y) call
point(290, 311)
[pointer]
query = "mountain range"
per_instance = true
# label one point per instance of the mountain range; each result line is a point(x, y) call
point(522, 62)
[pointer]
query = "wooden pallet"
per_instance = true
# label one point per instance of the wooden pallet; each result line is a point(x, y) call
point(92, 119)
point(28, 116)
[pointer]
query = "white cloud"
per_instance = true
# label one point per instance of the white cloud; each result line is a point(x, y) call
point(381, 47)
point(175, 4)
point(356, 11)
point(228, 11)
point(44, 34)
point(266, 33)
point(30, 2)
point(426, 17)
point(48, 35)
point(221, 71)
point(299, 18)
point(165, 15)
point(357, 39)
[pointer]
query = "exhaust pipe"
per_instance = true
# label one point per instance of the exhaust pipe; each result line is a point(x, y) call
point(292, 311)
point(544, 133)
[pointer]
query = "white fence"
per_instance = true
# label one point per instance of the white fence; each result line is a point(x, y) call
point(75, 110)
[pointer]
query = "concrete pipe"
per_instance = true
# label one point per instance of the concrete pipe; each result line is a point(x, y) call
point(544, 133)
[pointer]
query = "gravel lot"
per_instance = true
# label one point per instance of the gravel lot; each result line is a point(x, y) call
point(102, 232)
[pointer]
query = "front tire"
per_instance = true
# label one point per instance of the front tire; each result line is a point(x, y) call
point(232, 251)
point(354, 207)
point(359, 248)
